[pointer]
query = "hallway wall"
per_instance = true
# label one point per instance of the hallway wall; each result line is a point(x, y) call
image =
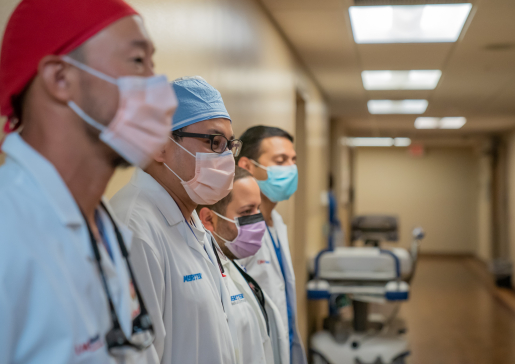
point(484, 198)
point(510, 199)
point(437, 191)
point(236, 48)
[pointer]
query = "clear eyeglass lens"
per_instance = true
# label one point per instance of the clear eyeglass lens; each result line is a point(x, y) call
point(236, 147)
point(219, 144)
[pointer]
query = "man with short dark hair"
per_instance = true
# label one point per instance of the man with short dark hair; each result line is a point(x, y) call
point(268, 153)
point(78, 76)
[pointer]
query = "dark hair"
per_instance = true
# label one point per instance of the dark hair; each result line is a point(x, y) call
point(176, 137)
point(253, 137)
point(221, 206)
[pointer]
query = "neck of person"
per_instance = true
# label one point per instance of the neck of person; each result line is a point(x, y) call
point(266, 208)
point(223, 248)
point(86, 165)
point(173, 186)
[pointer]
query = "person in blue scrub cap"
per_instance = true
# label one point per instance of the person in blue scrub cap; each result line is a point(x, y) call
point(269, 155)
point(174, 257)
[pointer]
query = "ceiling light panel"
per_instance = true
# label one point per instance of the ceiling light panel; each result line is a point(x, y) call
point(452, 123)
point(397, 106)
point(377, 142)
point(408, 23)
point(401, 80)
point(427, 123)
point(440, 123)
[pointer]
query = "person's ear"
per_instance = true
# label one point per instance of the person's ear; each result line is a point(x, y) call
point(247, 164)
point(208, 218)
point(58, 78)
point(160, 156)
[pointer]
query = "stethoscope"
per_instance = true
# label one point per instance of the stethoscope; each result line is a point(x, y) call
point(142, 329)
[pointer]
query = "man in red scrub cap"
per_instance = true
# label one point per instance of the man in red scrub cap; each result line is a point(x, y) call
point(77, 85)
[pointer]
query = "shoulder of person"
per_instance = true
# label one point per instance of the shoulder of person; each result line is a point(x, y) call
point(276, 217)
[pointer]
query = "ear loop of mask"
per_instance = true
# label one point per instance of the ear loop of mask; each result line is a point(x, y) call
point(225, 218)
point(88, 119)
point(259, 165)
point(89, 70)
point(171, 170)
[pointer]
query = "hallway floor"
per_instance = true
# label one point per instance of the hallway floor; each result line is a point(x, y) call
point(455, 315)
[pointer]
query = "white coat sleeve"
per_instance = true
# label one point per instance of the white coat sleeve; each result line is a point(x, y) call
point(150, 279)
point(7, 324)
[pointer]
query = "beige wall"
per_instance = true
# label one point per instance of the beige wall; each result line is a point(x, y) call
point(484, 247)
point(236, 48)
point(437, 192)
point(511, 195)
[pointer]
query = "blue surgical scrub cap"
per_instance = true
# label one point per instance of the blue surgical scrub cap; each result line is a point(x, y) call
point(198, 101)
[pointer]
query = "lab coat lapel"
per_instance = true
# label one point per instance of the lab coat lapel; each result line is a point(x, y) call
point(226, 297)
point(169, 209)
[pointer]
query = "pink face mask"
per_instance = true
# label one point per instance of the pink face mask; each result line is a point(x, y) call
point(144, 117)
point(250, 235)
point(214, 174)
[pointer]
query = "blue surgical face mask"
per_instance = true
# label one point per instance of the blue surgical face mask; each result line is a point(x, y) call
point(281, 182)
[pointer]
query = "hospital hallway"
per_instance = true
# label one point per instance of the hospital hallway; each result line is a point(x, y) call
point(456, 316)
point(399, 117)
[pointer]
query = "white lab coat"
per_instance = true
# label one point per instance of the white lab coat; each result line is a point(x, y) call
point(276, 344)
point(182, 288)
point(255, 345)
point(265, 269)
point(53, 308)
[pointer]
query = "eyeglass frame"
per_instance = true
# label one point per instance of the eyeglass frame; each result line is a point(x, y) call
point(211, 137)
point(115, 338)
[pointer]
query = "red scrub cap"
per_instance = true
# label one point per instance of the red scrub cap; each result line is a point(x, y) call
point(38, 28)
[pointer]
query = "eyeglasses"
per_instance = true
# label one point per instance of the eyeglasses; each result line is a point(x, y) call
point(219, 143)
point(142, 330)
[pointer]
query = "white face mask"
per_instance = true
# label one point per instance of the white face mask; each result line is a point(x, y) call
point(214, 174)
point(144, 117)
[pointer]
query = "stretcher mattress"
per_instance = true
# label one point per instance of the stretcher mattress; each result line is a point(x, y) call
point(366, 264)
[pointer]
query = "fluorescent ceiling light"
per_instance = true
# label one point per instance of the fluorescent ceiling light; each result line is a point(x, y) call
point(440, 123)
point(402, 142)
point(452, 123)
point(377, 142)
point(397, 106)
point(401, 80)
point(427, 123)
point(408, 23)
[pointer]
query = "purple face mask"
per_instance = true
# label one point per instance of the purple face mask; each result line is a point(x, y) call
point(250, 235)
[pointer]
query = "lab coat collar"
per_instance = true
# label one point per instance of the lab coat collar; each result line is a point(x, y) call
point(161, 198)
point(46, 176)
point(124, 230)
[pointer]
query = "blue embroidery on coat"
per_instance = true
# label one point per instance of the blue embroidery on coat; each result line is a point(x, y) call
point(192, 277)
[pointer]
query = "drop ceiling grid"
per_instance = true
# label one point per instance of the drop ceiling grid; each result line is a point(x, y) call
point(474, 81)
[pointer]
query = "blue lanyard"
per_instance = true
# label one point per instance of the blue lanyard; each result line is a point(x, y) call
point(278, 253)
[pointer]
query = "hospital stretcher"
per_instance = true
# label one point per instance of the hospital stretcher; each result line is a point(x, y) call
point(362, 276)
